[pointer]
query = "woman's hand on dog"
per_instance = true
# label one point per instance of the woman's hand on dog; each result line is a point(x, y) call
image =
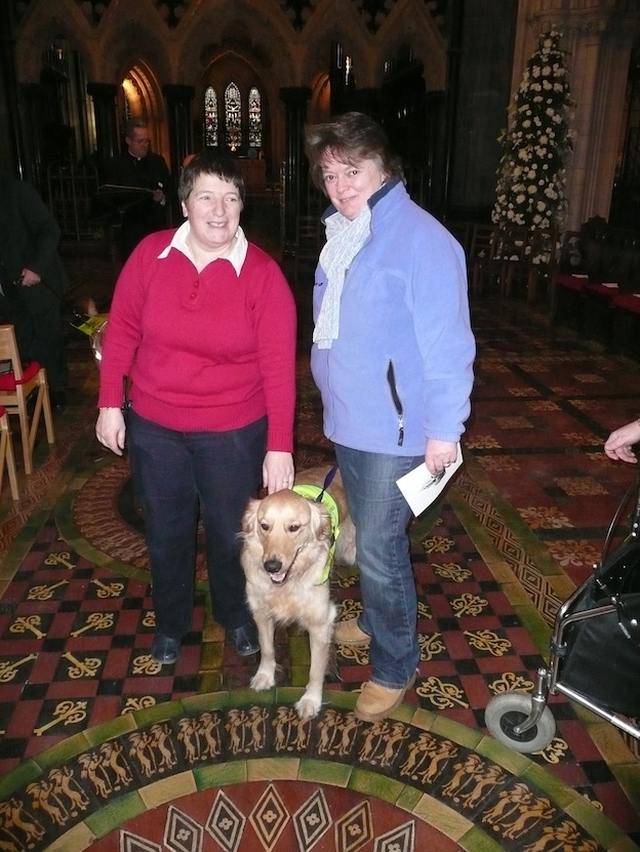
point(277, 471)
point(110, 429)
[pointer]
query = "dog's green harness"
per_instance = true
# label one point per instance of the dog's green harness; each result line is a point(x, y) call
point(319, 495)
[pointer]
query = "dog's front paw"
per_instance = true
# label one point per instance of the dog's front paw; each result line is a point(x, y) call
point(262, 680)
point(308, 707)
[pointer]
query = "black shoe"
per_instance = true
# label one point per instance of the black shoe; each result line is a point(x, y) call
point(58, 400)
point(165, 650)
point(244, 639)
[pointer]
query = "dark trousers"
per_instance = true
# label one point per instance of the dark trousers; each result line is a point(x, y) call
point(174, 473)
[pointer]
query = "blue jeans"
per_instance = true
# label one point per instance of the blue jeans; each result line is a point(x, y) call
point(389, 599)
point(173, 474)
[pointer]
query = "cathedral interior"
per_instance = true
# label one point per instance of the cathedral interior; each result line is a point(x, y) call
point(101, 748)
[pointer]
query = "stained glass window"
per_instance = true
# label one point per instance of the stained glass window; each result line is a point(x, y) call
point(210, 117)
point(255, 118)
point(233, 117)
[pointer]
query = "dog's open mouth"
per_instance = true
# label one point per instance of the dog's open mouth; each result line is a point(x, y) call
point(276, 571)
point(279, 577)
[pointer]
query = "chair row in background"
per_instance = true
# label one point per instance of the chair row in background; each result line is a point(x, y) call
point(23, 392)
point(587, 279)
point(597, 288)
point(514, 261)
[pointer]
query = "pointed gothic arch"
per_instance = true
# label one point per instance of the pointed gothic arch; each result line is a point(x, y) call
point(140, 96)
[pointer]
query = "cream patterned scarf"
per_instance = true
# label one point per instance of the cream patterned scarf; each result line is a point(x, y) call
point(345, 238)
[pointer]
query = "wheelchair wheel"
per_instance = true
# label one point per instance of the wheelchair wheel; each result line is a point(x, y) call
point(509, 709)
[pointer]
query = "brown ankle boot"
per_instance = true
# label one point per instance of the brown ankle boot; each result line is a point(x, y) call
point(375, 702)
point(349, 633)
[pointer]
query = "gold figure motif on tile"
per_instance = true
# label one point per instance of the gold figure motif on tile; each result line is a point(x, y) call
point(65, 713)
point(471, 780)
point(61, 558)
point(9, 670)
point(555, 751)
point(431, 645)
point(452, 571)
point(517, 811)
point(145, 665)
point(162, 747)
point(201, 736)
point(96, 621)
point(106, 768)
point(441, 694)
point(438, 544)
point(337, 732)
point(509, 682)
point(89, 667)
point(381, 742)
point(427, 747)
point(487, 640)
point(349, 608)
point(423, 610)
point(565, 837)
point(28, 623)
point(469, 604)
point(135, 702)
point(149, 619)
point(108, 590)
point(44, 592)
point(20, 825)
point(247, 729)
point(291, 733)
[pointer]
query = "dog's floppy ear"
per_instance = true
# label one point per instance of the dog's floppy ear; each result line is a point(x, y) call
point(320, 521)
point(250, 517)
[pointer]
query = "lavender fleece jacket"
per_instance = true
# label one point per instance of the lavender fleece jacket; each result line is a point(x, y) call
point(404, 302)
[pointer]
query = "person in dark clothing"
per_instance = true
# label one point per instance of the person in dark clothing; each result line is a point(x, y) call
point(140, 169)
point(33, 280)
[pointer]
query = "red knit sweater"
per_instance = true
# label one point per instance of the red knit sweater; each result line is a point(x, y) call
point(208, 351)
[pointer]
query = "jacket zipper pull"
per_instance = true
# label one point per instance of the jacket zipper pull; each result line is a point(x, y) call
point(391, 378)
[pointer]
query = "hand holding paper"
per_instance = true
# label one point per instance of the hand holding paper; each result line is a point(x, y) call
point(420, 488)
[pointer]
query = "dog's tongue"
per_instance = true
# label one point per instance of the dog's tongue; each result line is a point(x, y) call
point(279, 578)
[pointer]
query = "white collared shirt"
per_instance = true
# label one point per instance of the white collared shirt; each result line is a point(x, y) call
point(236, 255)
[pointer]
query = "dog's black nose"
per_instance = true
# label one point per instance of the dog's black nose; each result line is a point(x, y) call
point(273, 566)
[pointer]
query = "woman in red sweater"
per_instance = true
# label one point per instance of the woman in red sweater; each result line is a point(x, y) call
point(204, 325)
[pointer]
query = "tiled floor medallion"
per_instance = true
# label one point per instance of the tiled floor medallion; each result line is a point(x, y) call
point(219, 768)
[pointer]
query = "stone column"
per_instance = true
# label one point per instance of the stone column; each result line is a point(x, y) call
point(296, 169)
point(180, 126)
point(104, 108)
point(32, 99)
point(9, 78)
point(600, 59)
point(598, 39)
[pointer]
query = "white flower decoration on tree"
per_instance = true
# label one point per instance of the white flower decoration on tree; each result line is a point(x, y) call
point(537, 143)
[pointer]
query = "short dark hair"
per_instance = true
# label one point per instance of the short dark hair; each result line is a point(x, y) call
point(132, 123)
point(350, 137)
point(210, 162)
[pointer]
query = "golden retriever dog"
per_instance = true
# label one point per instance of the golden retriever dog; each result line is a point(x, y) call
point(287, 539)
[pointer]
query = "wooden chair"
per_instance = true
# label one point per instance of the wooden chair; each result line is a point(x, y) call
point(529, 257)
point(543, 266)
point(7, 458)
point(514, 252)
point(16, 388)
point(484, 265)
